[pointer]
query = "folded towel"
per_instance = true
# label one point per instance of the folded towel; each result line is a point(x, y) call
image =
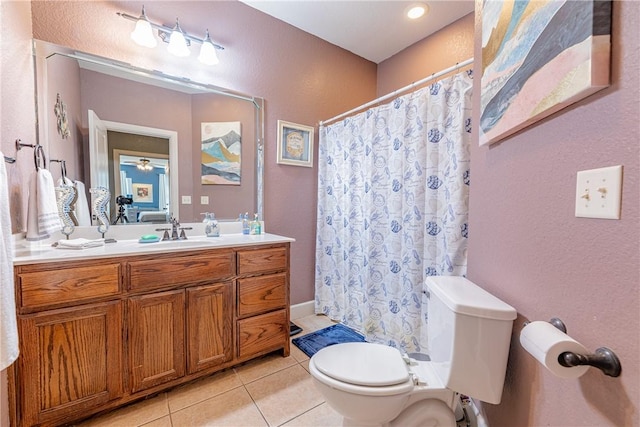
point(82, 205)
point(8, 326)
point(79, 243)
point(42, 211)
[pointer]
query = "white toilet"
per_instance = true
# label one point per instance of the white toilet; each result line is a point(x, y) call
point(469, 331)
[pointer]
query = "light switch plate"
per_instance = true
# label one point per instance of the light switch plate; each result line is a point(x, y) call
point(599, 192)
point(186, 200)
point(204, 200)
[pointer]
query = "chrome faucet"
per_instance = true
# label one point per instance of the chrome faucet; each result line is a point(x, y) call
point(175, 225)
point(174, 229)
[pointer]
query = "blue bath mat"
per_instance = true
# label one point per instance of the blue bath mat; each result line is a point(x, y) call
point(334, 334)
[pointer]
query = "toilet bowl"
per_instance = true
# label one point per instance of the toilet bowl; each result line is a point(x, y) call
point(374, 385)
point(468, 332)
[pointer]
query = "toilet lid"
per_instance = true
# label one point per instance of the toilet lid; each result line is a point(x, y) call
point(361, 363)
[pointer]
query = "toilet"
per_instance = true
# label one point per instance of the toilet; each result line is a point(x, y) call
point(468, 330)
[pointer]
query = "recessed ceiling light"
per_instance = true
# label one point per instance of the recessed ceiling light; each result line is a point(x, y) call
point(416, 11)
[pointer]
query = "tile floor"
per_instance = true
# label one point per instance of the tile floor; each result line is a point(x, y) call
point(270, 391)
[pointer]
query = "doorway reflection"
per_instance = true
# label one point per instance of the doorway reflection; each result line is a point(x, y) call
point(141, 178)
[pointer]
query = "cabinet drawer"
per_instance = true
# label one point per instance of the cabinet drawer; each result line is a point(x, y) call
point(42, 288)
point(261, 260)
point(262, 333)
point(261, 294)
point(158, 273)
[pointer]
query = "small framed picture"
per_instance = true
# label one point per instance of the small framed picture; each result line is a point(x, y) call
point(295, 144)
point(143, 193)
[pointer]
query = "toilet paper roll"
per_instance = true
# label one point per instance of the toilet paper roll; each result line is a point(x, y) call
point(545, 342)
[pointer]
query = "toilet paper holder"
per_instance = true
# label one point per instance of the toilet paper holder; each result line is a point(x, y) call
point(603, 358)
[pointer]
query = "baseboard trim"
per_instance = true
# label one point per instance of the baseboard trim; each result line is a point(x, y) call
point(301, 310)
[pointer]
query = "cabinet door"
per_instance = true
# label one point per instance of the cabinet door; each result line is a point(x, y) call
point(209, 326)
point(70, 361)
point(156, 339)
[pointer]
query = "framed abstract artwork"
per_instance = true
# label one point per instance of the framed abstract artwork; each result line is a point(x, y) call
point(143, 193)
point(295, 144)
point(221, 153)
point(539, 57)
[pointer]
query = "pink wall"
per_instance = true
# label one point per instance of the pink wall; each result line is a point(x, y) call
point(526, 246)
point(64, 148)
point(226, 201)
point(444, 49)
point(17, 120)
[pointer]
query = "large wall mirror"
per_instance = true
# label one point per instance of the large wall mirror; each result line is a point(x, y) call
point(163, 145)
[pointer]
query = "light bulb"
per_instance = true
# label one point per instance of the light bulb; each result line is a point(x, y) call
point(143, 33)
point(416, 11)
point(178, 43)
point(208, 53)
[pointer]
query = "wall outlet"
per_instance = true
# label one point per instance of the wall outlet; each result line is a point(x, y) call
point(204, 200)
point(599, 193)
point(186, 200)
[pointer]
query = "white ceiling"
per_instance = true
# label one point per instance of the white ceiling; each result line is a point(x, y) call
point(374, 30)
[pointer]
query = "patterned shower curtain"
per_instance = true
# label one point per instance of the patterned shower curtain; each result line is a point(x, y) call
point(393, 187)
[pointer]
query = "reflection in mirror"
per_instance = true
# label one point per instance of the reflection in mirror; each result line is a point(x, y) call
point(122, 116)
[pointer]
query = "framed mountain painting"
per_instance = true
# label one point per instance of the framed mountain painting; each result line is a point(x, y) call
point(539, 57)
point(221, 153)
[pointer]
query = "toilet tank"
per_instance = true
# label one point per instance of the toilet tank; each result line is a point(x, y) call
point(469, 331)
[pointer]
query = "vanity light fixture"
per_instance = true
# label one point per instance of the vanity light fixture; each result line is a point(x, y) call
point(178, 40)
point(178, 44)
point(208, 53)
point(143, 33)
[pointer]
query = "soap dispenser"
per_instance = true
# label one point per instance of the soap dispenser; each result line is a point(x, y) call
point(211, 227)
point(245, 223)
point(256, 227)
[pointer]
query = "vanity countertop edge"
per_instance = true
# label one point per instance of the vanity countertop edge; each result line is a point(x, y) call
point(44, 252)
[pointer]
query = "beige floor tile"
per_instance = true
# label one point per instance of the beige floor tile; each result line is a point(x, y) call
point(134, 415)
point(284, 395)
point(305, 365)
point(233, 408)
point(313, 323)
point(203, 389)
point(320, 416)
point(160, 422)
point(263, 366)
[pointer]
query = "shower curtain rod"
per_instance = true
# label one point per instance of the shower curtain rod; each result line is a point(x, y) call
point(403, 89)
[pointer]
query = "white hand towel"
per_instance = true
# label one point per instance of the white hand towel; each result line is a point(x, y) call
point(79, 243)
point(8, 326)
point(42, 211)
point(82, 205)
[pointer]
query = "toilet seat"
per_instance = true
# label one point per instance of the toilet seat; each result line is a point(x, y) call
point(362, 368)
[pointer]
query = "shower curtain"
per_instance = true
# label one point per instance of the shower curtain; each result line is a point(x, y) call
point(392, 209)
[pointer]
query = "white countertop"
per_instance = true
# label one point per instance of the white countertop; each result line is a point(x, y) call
point(33, 253)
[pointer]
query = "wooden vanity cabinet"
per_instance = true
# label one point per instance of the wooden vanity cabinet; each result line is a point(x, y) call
point(97, 334)
point(70, 322)
point(156, 339)
point(69, 362)
point(209, 326)
point(263, 301)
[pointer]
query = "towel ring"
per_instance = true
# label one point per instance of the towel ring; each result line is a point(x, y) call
point(38, 153)
point(63, 168)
